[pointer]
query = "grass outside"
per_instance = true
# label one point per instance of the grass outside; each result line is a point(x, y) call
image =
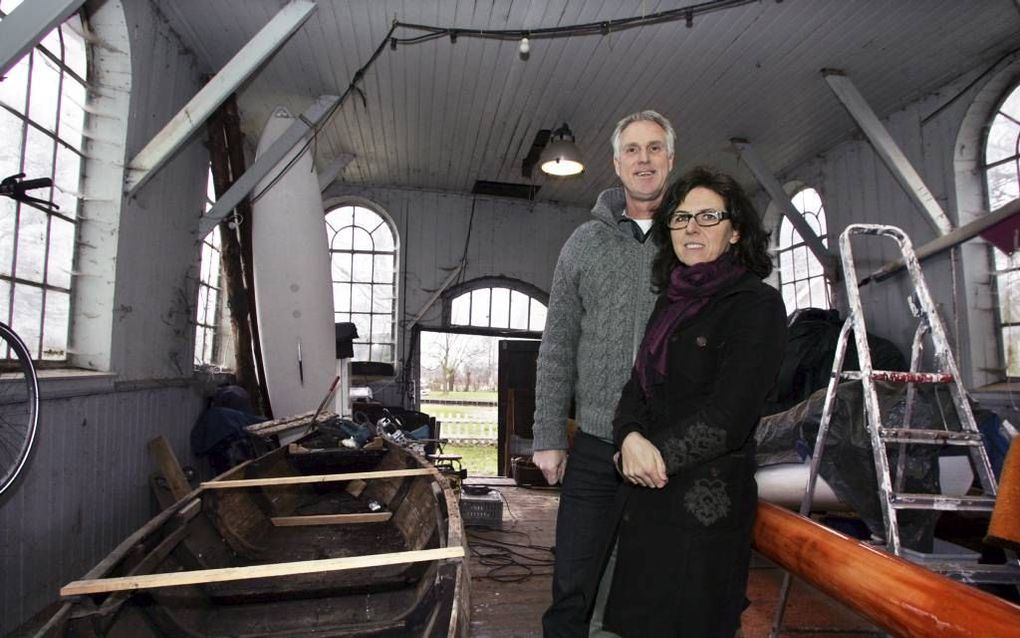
point(478, 460)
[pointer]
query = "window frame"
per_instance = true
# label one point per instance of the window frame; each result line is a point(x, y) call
point(984, 168)
point(367, 341)
point(821, 221)
point(533, 293)
point(67, 141)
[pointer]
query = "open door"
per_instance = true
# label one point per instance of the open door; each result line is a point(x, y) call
point(518, 362)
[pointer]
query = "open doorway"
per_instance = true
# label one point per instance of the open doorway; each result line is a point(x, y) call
point(460, 377)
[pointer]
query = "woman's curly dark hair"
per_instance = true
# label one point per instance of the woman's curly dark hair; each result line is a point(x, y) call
point(751, 249)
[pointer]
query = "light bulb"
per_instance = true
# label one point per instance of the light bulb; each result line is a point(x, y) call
point(525, 46)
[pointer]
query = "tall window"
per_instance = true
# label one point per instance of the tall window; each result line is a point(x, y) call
point(1002, 176)
point(363, 254)
point(801, 277)
point(497, 307)
point(41, 117)
point(209, 318)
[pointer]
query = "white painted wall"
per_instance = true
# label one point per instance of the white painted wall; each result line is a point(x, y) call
point(85, 486)
point(509, 238)
point(856, 187)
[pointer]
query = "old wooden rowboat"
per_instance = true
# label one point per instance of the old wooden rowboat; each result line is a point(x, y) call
point(299, 542)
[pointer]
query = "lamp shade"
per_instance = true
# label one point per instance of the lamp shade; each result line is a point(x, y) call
point(561, 157)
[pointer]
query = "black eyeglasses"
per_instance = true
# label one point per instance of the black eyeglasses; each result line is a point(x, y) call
point(680, 219)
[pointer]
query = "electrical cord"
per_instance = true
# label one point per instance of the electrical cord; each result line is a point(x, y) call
point(603, 27)
point(508, 562)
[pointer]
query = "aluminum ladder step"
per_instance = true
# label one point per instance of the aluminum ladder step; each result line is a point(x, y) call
point(912, 501)
point(895, 376)
point(930, 437)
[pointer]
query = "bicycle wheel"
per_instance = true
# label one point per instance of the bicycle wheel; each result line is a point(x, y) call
point(19, 406)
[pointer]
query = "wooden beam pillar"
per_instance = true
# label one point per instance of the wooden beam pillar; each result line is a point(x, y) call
point(267, 162)
point(245, 62)
point(27, 25)
point(781, 199)
point(887, 148)
point(240, 301)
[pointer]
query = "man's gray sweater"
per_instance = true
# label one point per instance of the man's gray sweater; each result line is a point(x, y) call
point(600, 301)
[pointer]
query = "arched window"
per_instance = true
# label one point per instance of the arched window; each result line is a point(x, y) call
point(801, 277)
point(363, 254)
point(1001, 168)
point(209, 320)
point(42, 114)
point(499, 303)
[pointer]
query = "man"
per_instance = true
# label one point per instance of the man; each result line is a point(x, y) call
point(600, 301)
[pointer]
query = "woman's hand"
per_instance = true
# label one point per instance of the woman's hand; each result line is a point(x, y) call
point(642, 462)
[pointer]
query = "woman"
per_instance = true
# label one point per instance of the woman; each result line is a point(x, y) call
point(685, 422)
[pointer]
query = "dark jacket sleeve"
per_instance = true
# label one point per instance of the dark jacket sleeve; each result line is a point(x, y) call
point(754, 340)
point(631, 412)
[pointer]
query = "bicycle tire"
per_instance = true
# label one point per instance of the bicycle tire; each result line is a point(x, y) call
point(19, 407)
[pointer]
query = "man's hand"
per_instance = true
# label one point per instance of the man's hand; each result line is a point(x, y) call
point(552, 463)
point(642, 462)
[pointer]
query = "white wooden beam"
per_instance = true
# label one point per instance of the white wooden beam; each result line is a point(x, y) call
point(887, 149)
point(950, 240)
point(252, 55)
point(265, 163)
point(329, 174)
point(781, 199)
point(29, 23)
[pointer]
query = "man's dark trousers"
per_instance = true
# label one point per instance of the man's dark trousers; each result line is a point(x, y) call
point(586, 505)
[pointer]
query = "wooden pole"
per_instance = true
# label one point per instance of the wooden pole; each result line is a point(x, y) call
point(224, 574)
point(314, 478)
point(895, 594)
point(235, 152)
point(231, 260)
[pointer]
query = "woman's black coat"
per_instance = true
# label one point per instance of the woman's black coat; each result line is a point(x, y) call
point(683, 551)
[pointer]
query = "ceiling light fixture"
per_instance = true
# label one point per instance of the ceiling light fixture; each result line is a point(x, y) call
point(561, 157)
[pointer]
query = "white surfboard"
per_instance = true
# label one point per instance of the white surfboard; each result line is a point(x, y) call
point(293, 290)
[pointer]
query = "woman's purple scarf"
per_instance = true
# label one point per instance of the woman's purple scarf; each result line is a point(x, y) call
point(690, 288)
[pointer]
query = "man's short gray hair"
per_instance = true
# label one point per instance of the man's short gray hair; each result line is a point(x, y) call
point(644, 116)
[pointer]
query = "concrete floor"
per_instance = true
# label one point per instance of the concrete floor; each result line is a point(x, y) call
point(505, 603)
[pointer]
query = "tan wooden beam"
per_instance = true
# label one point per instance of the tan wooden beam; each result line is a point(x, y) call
point(169, 467)
point(197, 577)
point(331, 519)
point(314, 478)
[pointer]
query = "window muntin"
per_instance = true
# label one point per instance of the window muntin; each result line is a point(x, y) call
point(801, 276)
point(498, 307)
point(1001, 167)
point(41, 119)
point(209, 320)
point(363, 261)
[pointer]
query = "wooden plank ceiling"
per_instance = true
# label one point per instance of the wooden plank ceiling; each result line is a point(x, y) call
point(441, 114)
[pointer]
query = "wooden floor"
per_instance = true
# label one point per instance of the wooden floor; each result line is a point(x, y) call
point(514, 609)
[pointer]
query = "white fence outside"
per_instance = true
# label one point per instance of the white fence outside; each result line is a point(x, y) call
point(461, 427)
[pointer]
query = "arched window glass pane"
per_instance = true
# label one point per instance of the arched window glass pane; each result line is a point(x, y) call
point(801, 277)
point(363, 263)
point(497, 307)
point(1002, 178)
point(42, 114)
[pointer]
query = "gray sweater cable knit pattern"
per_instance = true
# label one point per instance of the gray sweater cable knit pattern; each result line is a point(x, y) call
point(600, 301)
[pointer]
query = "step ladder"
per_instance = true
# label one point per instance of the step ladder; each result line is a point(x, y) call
point(892, 498)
